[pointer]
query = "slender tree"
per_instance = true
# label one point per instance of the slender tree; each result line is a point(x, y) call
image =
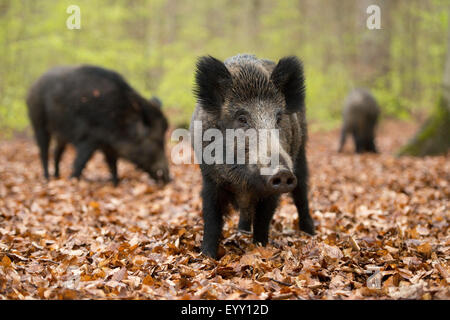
point(374, 53)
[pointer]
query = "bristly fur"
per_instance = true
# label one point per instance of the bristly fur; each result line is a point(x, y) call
point(212, 81)
point(250, 82)
point(288, 78)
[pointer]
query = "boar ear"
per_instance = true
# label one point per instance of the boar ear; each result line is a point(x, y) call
point(156, 102)
point(288, 78)
point(151, 115)
point(143, 108)
point(212, 80)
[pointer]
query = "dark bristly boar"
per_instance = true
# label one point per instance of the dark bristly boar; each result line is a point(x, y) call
point(360, 117)
point(250, 93)
point(95, 109)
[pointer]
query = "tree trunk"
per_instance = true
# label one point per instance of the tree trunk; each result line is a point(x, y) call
point(434, 136)
point(374, 48)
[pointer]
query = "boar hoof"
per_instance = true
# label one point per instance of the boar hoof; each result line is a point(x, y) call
point(244, 227)
point(115, 182)
point(307, 225)
point(243, 231)
point(209, 252)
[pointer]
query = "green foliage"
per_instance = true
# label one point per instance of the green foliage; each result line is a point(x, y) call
point(325, 95)
point(155, 44)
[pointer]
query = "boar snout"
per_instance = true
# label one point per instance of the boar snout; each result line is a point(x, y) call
point(161, 175)
point(282, 181)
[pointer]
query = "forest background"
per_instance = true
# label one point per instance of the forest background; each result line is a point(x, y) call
point(155, 44)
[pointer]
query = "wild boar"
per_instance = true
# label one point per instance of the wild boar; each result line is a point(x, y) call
point(96, 109)
point(360, 117)
point(245, 92)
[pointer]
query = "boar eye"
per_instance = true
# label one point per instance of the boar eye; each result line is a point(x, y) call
point(242, 119)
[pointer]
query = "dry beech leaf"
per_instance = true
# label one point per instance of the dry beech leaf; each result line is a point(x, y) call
point(425, 249)
point(86, 239)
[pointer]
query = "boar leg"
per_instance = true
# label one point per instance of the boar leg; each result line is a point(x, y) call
point(111, 160)
point(43, 141)
point(245, 220)
point(371, 147)
point(59, 150)
point(358, 142)
point(265, 209)
point(343, 138)
point(214, 205)
point(370, 144)
point(300, 194)
point(84, 153)
point(246, 211)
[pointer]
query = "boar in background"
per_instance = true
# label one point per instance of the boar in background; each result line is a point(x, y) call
point(360, 118)
point(96, 109)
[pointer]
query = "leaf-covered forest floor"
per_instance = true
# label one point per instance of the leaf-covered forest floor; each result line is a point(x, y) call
point(69, 239)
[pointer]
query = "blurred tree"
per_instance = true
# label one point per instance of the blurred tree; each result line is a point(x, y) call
point(434, 136)
point(374, 49)
point(155, 44)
